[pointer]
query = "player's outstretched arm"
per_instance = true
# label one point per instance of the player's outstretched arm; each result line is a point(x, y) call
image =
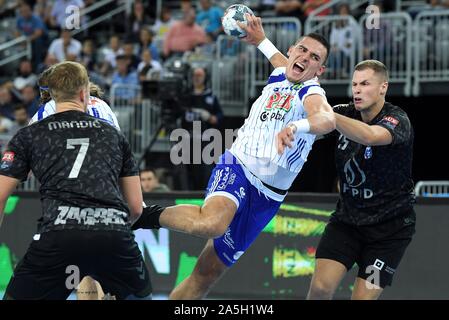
point(8, 185)
point(320, 120)
point(360, 132)
point(255, 35)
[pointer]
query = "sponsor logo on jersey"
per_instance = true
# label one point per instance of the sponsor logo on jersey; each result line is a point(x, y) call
point(355, 178)
point(7, 159)
point(241, 193)
point(91, 216)
point(227, 239)
point(378, 264)
point(392, 120)
point(8, 156)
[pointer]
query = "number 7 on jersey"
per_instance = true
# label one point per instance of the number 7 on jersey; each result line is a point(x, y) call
point(84, 143)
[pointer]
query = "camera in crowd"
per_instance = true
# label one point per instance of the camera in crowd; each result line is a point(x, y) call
point(172, 90)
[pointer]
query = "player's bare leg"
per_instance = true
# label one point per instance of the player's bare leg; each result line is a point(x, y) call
point(364, 290)
point(208, 270)
point(325, 279)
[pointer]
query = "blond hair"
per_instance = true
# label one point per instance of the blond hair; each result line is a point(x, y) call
point(95, 90)
point(66, 79)
point(375, 65)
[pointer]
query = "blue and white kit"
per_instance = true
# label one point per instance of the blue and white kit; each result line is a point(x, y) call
point(96, 108)
point(252, 174)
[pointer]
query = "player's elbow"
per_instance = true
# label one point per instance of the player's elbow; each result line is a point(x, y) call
point(328, 122)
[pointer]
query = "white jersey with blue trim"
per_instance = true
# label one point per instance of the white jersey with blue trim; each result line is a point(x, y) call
point(96, 107)
point(280, 103)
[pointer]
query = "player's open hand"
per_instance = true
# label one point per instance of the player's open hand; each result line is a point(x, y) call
point(284, 139)
point(254, 30)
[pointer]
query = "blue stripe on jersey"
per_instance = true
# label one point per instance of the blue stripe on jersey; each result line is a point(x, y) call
point(299, 154)
point(292, 155)
point(278, 78)
point(304, 90)
point(96, 113)
point(40, 112)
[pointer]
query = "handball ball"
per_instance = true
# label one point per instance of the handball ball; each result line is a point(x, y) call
point(235, 13)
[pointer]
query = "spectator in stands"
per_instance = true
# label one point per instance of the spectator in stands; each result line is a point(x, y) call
point(30, 99)
point(65, 47)
point(267, 7)
point(6, 103)
point(184, 35)
point(209, 18)
point(150, 182)
point(311, 5)
point(124, 75)
point(289, 8)
point(21, 119)
point(42, 9)
point(146, 42)
point(163, 24)
point(148, 66)
point(342, 41)
point(109, 54)
point(26, 75)
point(89, 56)
point(186, 6)
point(5, 124)
point(129, 51)
point(377, 41)
point(48, 62)
point(34, 29)
point(203, 107)
point(61, 11)
point(137, 20)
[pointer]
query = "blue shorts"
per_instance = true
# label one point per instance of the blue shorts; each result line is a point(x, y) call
point(254, 209)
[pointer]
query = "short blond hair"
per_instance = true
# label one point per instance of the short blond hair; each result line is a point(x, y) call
point(66, 79)
point(375, 65)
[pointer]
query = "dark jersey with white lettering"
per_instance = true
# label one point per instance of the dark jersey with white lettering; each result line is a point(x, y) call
point(78, 160)
point(375, 181)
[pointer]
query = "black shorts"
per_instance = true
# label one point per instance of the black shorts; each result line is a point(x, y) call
point(51, 265)
point(376, 249)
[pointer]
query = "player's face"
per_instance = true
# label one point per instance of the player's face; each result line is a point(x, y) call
point(368, 89)
point(305, 60)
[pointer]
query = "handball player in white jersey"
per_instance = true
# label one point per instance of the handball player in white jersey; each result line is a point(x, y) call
point(251, 179)
point(96, 106)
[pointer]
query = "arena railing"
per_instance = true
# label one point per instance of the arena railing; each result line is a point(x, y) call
point(431, 51)
point(123, 6)
point(283, 32)
point(230, 75)
point(389, 41)
point(432, 189)
point(342, 57)
point(126, 103)
point(13, 50)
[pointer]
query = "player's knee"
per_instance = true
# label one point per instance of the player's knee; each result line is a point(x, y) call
point(320, 290)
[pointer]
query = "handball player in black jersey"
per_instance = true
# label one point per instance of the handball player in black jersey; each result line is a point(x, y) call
point(374, 220)
point(83, 165)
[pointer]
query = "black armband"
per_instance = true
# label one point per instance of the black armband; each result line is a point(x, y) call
point(149, 219)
